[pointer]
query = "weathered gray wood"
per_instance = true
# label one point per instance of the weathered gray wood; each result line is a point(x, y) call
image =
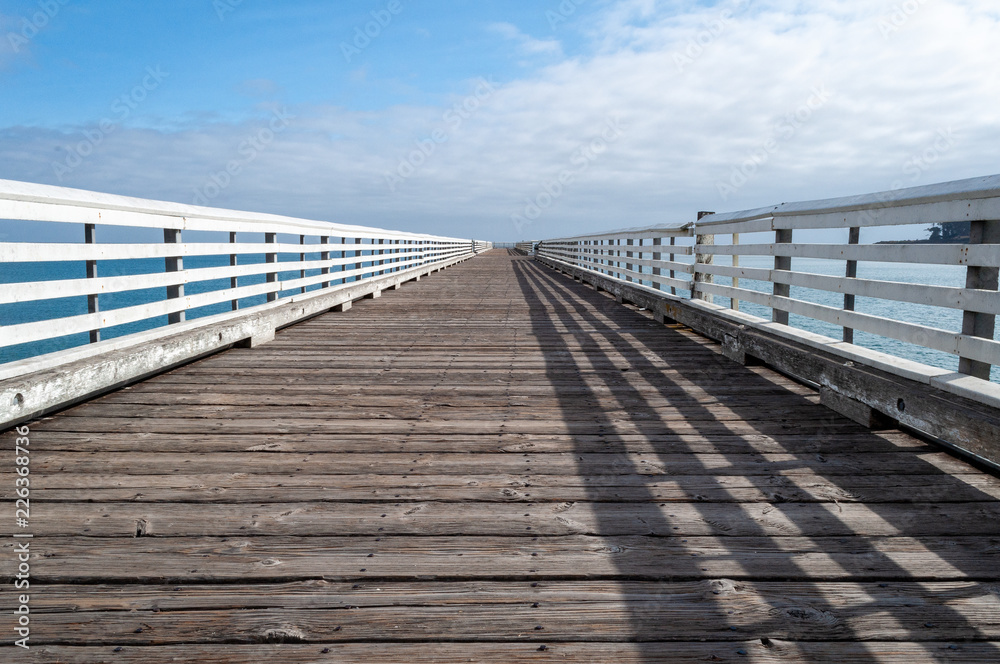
point(49, 389)
point(568, 612)
point(612, 463)
point(861, 413)
point(968, 425)
point(773, 652)
point(832, 442)
point(977, 322)
point(781, 262)
point(92, 291)
point(271, 559)
point(528, 442)
point(554, 519)
point(306, 488)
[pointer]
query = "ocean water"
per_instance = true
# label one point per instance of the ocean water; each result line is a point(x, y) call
point(28, 312)
point(947, 319)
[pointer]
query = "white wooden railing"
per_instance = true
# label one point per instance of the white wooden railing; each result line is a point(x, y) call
point(700, 262)
point(209, 267)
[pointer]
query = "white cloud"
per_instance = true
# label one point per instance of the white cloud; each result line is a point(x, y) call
point(527, 44)
point(688, 124)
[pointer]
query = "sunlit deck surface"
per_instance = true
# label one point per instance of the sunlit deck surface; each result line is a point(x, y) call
point(498, 464)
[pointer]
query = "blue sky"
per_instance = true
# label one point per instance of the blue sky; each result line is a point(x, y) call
point(91, 51)
point(465, 118)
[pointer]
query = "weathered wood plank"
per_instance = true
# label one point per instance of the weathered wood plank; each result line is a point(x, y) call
point(585, 424)
point(447, 412)
point(719, 610)
point(258, 559)
point(253, 488)
point(654, 442)
point(773, 652)
point(526, 464)
point(432, 518)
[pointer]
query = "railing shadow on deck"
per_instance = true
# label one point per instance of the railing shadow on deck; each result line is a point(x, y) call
point(557, 301)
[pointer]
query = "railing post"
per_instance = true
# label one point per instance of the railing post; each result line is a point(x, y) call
point(271, 258)
point(783, 236)
point(976, 323)
point(90, 237)
point(343, 254)
point(657, 256)
point(628, 254)
point(854, 236)
point(325, 256)
point(702, 259)
point(734, 302)
point(357, 253)
point(673, 242)
point(302, 259)
point(381, 260)
point(233, 281)
point(174, 264)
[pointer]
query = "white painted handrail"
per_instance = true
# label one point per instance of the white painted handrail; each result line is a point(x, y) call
point(681, 262)
point(274, 259)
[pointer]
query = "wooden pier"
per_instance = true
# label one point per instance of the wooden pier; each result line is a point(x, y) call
point(497, 464)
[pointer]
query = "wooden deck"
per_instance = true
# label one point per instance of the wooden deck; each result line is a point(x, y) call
point(497, 464)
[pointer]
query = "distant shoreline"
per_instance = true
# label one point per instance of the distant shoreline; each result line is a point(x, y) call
point(954, 240)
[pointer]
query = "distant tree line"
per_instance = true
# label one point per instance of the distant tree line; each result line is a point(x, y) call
point(951, 232)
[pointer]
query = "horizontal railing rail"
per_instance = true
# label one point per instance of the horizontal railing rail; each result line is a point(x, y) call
point(921, 310)
point(102, 282)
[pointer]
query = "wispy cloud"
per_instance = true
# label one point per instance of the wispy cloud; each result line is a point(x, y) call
point(257, 88)
point(526, 44)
